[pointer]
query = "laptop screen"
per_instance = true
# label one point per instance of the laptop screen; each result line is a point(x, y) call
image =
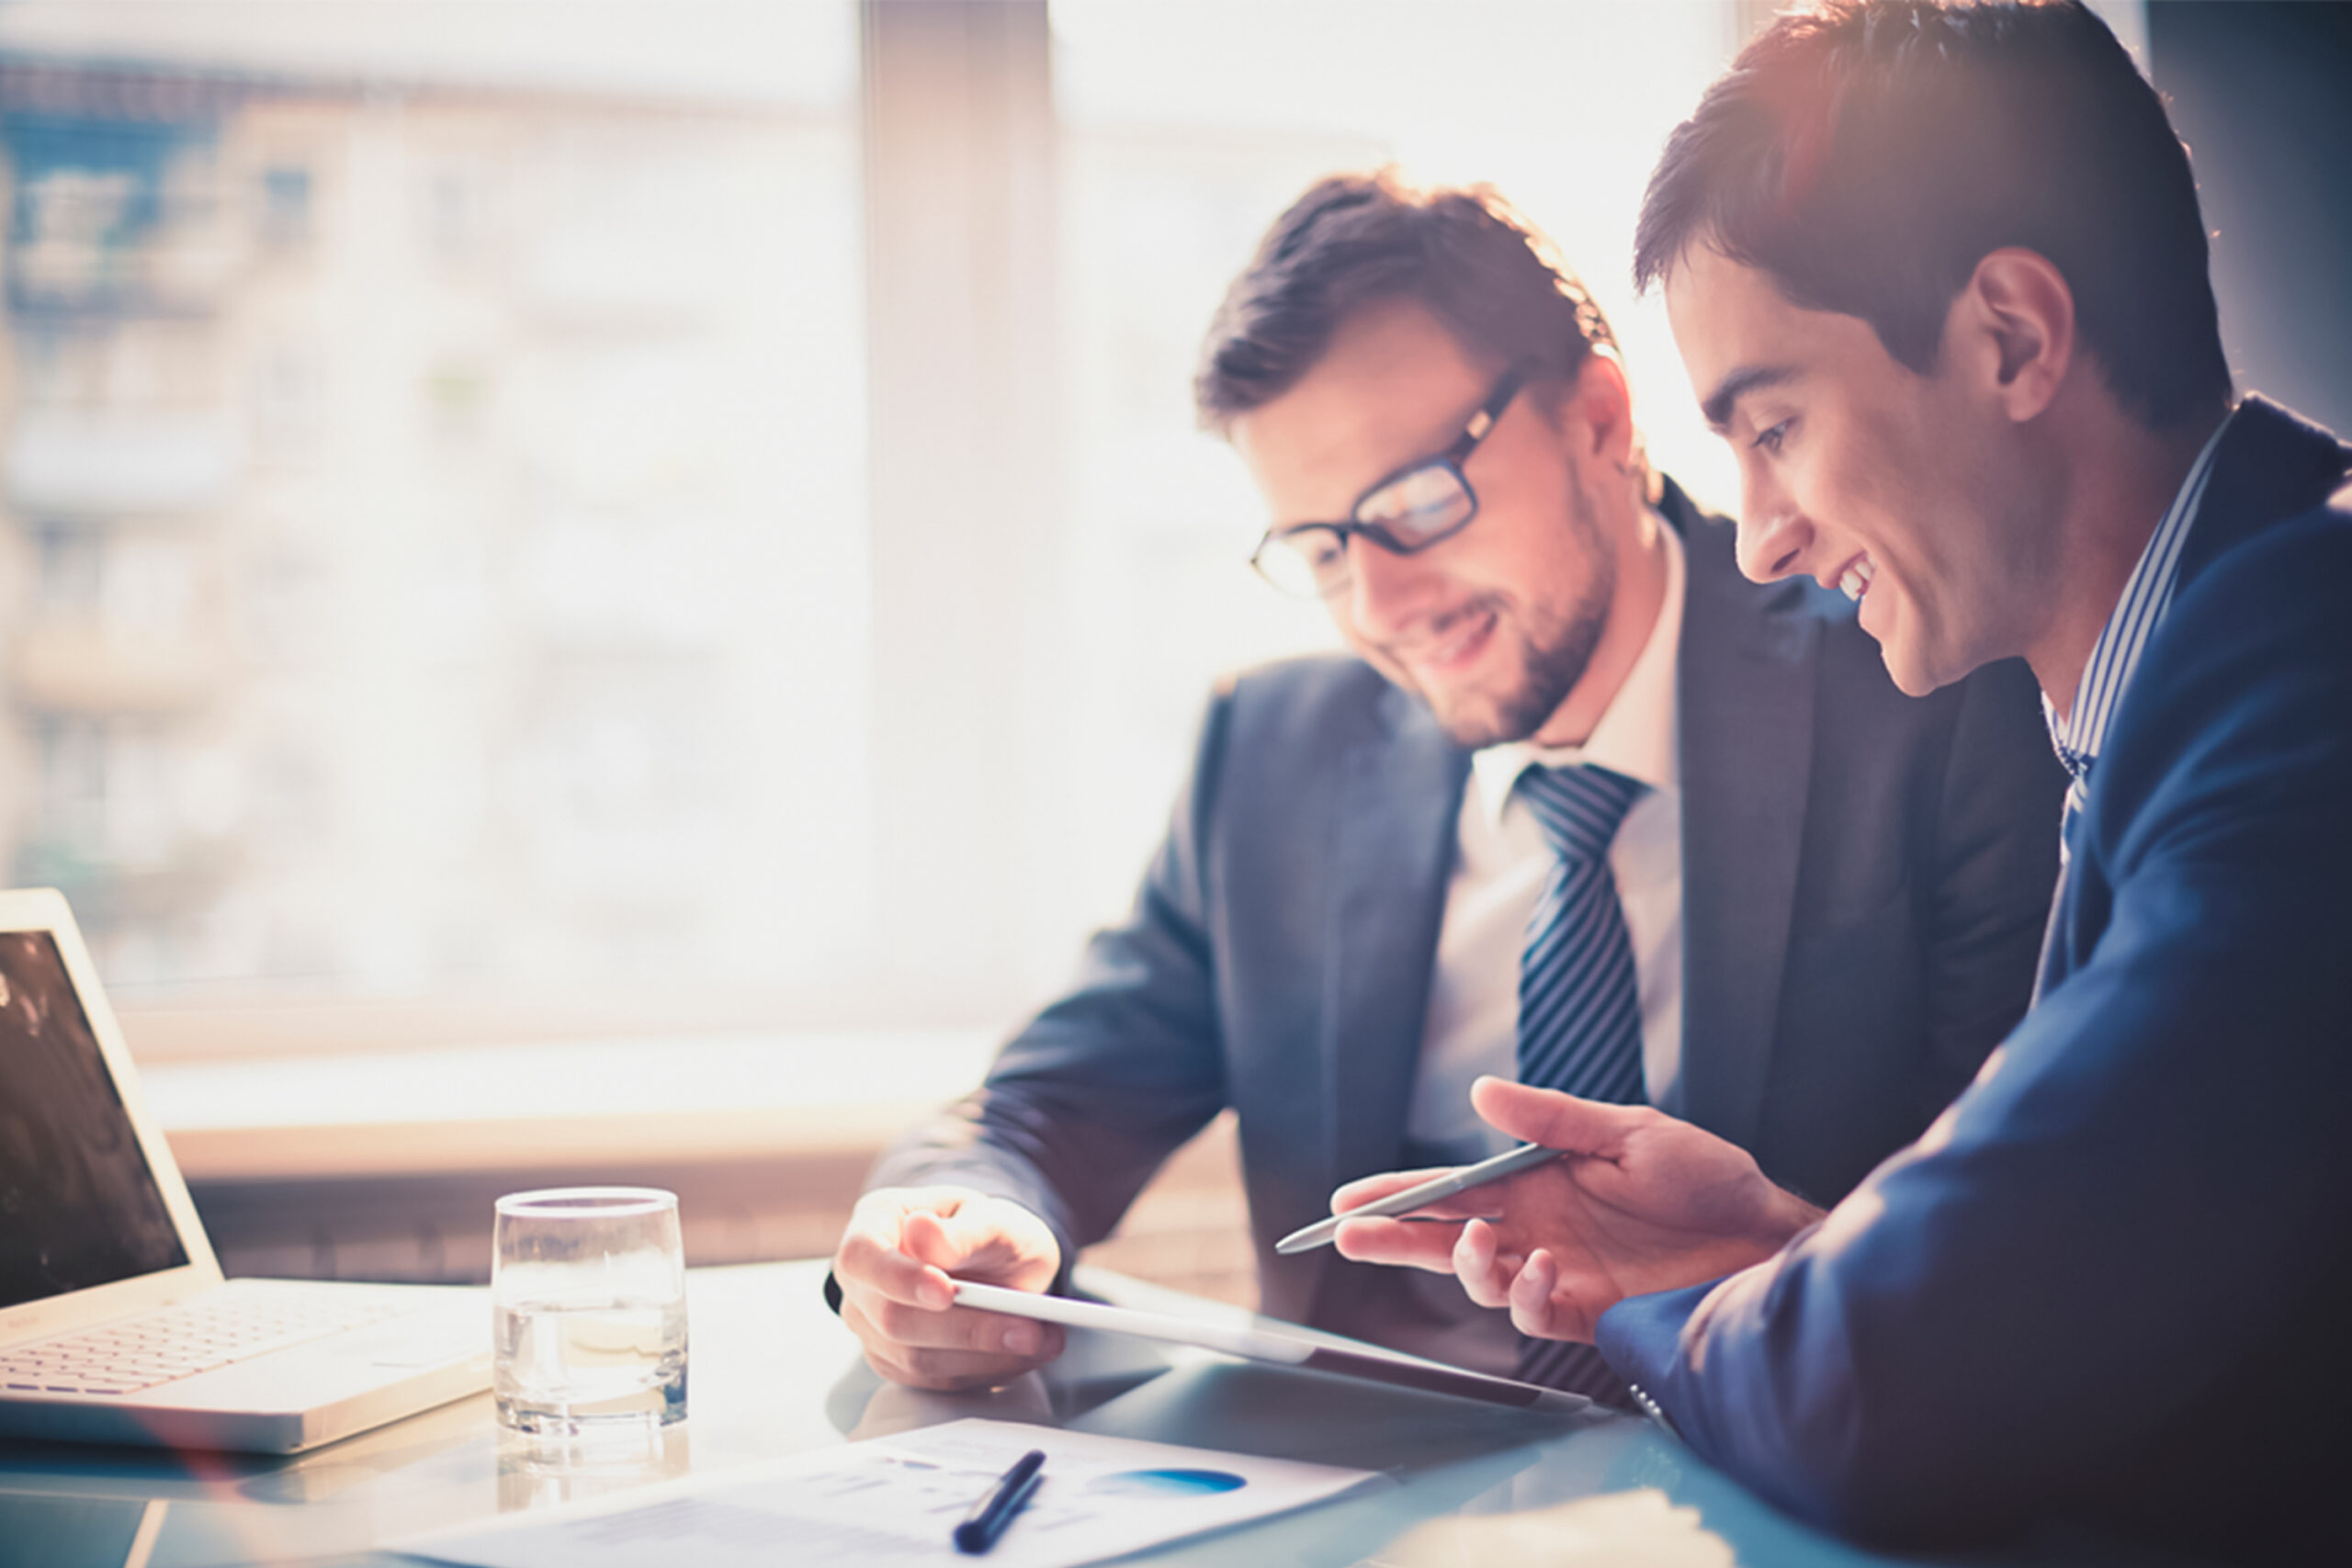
point(78, 1204)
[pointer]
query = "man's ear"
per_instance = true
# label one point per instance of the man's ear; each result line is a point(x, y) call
point(1599, 410)
point(2013, 329)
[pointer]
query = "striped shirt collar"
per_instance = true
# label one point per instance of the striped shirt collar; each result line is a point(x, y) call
point(2147, 595)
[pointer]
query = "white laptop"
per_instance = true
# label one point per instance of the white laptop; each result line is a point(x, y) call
point(115, 1324)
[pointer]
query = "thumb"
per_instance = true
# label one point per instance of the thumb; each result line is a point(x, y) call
point(986, 1239)
point(927, 1238)
point(1546, 1116)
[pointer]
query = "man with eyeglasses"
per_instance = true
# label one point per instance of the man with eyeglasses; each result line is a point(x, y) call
point(1585, 807)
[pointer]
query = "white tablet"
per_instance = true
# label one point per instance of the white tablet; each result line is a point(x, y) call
point(1263, 1343)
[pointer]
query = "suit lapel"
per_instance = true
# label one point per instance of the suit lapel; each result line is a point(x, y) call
point(2271, 465)
point(1399, 798)
point(1745, 690)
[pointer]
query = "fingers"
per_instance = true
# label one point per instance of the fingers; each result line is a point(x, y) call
point(908, 1242)
point(1416, 1244)
point(1529, 1287)
point(927, 1238)
point(965, 1243)
point(1482, 1266)
point(870, 1263)
point(898, 1298)
point(953, 1350)
point(1372, 1188)
point(957, 1329)
point(1555, 1119)
point(1542, 1303)
point(990, 1239)
point(1530, 1297)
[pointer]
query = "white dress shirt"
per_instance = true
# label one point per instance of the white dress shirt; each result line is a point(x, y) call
point(1500, 863)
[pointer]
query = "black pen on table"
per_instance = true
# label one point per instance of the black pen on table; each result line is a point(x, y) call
point(996, 1506)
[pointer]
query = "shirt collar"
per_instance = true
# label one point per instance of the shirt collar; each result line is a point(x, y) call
point(2147, 595)
point(1635, 736)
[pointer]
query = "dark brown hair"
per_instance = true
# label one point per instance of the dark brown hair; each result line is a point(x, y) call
point(1353, 241)
point(1866, 154)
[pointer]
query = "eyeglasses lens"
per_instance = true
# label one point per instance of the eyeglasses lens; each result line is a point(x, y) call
point(1309, 564)
point(1413, 508)
point(1419, 505)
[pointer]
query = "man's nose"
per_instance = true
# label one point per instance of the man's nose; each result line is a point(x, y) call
point(1385, 590)
point(1774, 534)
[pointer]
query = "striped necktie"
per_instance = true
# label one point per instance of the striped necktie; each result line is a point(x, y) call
point(1579, 1010)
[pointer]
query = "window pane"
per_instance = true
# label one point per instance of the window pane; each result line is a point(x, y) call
point(432, 457)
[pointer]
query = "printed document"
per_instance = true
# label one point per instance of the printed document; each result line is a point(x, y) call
point(895, 1501)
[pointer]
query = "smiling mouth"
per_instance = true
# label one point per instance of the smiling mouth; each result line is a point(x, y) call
point(1454, 643)
point(1459, 640)
point(1854, 581)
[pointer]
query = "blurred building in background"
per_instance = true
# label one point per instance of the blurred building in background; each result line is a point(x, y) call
point(434, 547)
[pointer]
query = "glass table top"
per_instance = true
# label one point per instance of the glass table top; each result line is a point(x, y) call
point(772, 1373)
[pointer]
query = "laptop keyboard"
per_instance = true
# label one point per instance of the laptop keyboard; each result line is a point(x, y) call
point(181, 1341)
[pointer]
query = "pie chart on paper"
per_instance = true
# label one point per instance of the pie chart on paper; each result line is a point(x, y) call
point(1167, 1483)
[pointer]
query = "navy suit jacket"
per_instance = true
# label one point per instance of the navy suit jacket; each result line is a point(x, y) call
point(2114, 1282)
point(1865, 881)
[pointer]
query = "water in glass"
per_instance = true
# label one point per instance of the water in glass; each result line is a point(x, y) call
point(589, 1313)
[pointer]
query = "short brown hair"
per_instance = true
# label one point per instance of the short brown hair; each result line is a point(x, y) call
point(1866, 154)
point(1353, 241)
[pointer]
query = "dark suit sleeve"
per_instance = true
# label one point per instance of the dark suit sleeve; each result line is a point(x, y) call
point(2149, 1188)
point(1996, 859)
point(1083, 1104)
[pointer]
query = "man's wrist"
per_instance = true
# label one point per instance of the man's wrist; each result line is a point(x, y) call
point(1791, 1217)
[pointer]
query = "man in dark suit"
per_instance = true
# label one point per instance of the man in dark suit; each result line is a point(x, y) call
point(1812, 907)
point(1962, 333)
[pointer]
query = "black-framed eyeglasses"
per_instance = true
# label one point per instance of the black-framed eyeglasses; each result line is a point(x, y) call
point(1420, 504)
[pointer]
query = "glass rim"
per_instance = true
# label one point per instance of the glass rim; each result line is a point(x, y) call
point(587, 1202)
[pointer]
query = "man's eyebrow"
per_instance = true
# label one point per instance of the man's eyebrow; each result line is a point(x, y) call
point(1717, 405)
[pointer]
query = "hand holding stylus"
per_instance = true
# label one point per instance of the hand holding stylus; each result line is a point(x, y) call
point(1640, 1203)
point(1420, 1195)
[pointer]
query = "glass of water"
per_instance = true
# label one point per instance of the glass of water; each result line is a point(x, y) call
point(588, 1291)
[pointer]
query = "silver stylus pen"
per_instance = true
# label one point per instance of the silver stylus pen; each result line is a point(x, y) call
point(1527, 1156)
